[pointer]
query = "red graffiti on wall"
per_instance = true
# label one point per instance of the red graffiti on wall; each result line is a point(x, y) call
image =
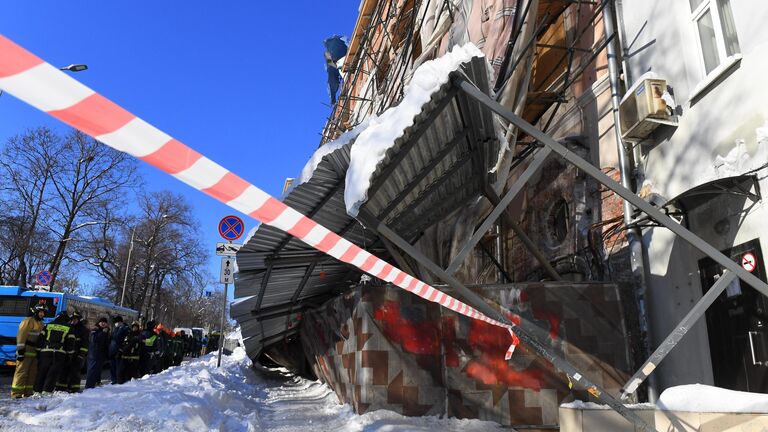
point(488, 342)
point(544, 315)
point(417, 337)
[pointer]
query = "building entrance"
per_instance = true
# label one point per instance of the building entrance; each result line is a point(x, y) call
point(737, 323)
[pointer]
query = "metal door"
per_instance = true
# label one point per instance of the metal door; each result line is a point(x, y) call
point(737, 324)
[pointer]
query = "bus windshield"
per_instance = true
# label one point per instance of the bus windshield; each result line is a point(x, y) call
point(18, 306)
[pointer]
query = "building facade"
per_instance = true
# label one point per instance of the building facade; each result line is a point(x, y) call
point(710, 169)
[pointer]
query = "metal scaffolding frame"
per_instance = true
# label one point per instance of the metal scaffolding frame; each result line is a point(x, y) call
point(536, 151)
point(384, 17)
point(733, 268)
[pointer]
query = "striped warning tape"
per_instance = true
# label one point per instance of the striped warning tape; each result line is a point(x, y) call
point(48, 89)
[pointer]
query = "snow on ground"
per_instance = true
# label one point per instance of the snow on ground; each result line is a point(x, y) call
point(372, 143)
point(198, 397)
point(704, 398)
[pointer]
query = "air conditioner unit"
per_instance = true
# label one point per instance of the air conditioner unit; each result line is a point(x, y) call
point(644, 109)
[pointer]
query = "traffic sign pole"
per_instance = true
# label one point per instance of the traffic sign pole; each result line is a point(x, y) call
point(230, 228)
point(223, 314)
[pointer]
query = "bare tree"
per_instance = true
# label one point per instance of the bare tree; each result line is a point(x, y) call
point(92, 178)
point(29, 162)
point(167, 258)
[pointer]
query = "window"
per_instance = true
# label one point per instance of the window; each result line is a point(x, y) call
point(717, 40)
point(18, 306)
point(15, 306)
point(557, 223)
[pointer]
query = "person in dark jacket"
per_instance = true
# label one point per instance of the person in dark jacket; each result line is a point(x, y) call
point(149, 352)
point(97, 353)
point(129, 355)
point(164, 348)
point(77, 351)
point(118, 335)
point(54, 340)
point(179, 343)
point(213, 341)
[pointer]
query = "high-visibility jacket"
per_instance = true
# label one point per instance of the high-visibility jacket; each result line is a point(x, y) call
point(151, 346)
point(27, 336)
point(130, 347)
point(56, 337)
point(79, 341)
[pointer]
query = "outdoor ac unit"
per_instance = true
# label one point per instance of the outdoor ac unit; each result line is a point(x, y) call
point(644, 109)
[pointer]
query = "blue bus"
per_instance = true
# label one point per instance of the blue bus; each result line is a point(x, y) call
point(15, 303)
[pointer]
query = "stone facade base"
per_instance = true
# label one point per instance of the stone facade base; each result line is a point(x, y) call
point(380, 347)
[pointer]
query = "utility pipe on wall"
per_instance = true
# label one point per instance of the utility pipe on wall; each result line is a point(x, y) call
point(634, 235)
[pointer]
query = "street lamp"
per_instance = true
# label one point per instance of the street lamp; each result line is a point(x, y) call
point(75, 67)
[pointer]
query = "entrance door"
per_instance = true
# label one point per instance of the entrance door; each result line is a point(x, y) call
point(737, 324)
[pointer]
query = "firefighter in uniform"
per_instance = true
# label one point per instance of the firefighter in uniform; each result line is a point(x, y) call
point(179, 341)
point(26, 353)
point(149, 352)
point(77, 351)
point(53, 342)
point(129, 353)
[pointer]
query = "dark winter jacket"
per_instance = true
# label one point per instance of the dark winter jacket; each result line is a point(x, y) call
point(80, 340)
point(118, 336)
point(99, 347)
point(150, 346)
point(56, 336)
point(129, 349)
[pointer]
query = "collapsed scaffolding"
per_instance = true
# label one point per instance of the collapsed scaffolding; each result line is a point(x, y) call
point(376, 71)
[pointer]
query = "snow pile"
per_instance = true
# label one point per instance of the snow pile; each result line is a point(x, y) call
point(704, 398)
point(198, 397)
point(372, 143)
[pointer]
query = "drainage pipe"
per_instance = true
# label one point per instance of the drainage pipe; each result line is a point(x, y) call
point(634, 235)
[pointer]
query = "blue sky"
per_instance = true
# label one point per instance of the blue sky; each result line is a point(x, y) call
point(242, 82)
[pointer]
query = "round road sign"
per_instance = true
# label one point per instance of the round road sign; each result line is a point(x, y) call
point(749, 262)
point(231, 227)
point(44, 277)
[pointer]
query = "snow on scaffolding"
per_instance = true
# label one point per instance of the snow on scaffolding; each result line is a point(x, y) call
point(372, 144)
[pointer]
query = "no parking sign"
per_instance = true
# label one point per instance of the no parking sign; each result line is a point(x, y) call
point(231, 227)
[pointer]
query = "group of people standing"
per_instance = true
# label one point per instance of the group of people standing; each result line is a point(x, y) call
point(51, 357)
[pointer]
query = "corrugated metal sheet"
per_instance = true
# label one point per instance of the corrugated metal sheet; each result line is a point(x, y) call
point(439, 163)
point(286, 260)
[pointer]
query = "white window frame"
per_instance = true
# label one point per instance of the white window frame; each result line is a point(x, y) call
point(725, 62)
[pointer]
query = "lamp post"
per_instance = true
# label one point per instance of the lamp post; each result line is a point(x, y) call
point(127, 267)
point(133, 233)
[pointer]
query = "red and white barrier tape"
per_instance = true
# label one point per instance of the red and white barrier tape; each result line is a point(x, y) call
point(48, 89)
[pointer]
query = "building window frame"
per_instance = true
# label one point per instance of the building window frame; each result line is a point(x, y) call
point(726, 43)
point(723, 31)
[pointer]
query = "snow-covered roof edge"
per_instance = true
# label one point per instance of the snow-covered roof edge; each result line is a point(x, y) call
point(309, 168)
point(373, 142)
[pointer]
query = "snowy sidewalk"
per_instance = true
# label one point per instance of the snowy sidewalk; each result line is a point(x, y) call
point(198, 397)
